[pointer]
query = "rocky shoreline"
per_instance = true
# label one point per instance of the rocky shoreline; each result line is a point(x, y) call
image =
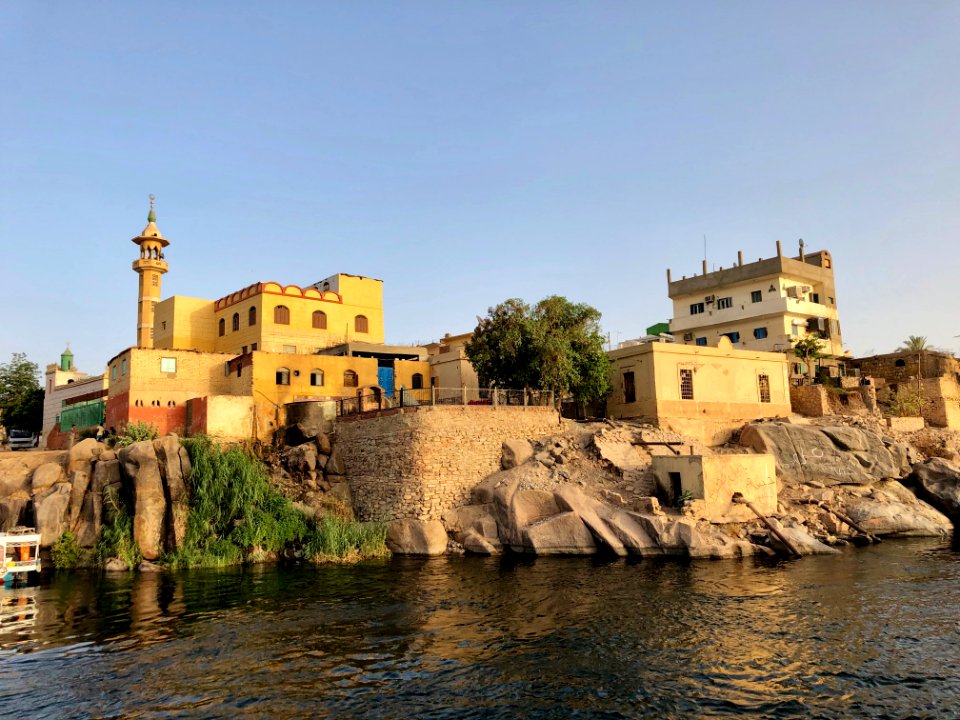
point(585, 490)
point(590, 490)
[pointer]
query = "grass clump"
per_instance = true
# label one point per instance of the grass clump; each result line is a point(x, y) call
point(338, 539)
point(66, 552)
point(236, 513)
point(116, 536)
point(136, 432)
point(233, 508)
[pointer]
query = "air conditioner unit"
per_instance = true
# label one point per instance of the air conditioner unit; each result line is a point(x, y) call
point(806, 289)
point(793, 291)
point(710, 298)
point(687, 337)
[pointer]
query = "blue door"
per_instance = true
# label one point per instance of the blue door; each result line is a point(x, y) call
point(385, 380)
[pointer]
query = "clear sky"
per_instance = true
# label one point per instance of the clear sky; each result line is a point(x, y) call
point(468, 152)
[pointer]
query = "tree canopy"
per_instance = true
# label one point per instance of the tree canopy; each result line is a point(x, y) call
point(915, 343)
point(555, 345)
point(21, 397)
point(809, 349)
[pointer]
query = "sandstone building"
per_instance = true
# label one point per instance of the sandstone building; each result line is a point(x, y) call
point(706, 392)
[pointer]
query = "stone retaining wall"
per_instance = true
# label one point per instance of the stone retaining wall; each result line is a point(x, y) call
point(420, 462)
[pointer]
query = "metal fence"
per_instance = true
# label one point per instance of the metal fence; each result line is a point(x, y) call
point(365, 402)
point(82, 415)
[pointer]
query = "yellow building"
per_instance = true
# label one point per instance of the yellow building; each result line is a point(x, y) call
point(450, 369)
point(705, 392)
point(764, 305)
point(272, 317)
point(229, 366)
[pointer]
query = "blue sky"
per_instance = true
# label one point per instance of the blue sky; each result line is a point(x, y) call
point(466, 153)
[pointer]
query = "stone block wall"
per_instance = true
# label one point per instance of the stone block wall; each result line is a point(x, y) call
point(419, 462)
point(809, 400)
point(819, 400)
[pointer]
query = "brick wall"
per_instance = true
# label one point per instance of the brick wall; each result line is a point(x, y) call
point(419, 462)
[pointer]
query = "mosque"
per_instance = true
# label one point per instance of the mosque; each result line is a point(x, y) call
point(229, 367)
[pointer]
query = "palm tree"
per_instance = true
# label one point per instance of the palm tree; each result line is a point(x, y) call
point(915, 343)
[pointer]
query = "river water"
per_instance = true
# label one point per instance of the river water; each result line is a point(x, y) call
point(873, 632)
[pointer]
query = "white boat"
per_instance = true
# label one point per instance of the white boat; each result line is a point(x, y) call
point(19, 554)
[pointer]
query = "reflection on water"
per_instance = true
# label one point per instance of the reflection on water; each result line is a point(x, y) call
point(869, 633)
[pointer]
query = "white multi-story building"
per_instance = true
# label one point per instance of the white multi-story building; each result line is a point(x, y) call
point(764, 305)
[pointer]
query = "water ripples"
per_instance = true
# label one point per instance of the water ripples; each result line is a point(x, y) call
point(869, 633)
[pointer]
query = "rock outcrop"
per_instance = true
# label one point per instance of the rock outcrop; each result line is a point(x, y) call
point(938, 482)
point(417, 537)
point(829, 455)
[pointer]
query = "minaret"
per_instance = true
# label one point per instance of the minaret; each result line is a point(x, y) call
point(66, 360)
point(149, 267)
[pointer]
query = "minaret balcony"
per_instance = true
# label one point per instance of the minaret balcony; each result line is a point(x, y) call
point(150, 264)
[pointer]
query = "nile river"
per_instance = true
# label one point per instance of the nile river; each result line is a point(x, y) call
point(872, 633)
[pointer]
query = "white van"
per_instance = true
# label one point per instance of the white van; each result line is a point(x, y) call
point(22, 439)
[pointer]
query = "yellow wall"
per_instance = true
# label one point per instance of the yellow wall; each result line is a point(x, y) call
point(725, 386)
point(450, 368)
point(270, 397)
point(185, 323)
point(197, 374)
point(194, 324)
point(230, 417)
point(713, 479)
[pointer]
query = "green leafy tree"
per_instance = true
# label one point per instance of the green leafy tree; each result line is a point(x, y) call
point(21, 397)
point(502, 347)
point(915, 343)
point(556, 345)
point(569, 348)
point(808, 349)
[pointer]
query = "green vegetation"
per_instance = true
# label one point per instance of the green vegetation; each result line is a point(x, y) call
point(337, 539)
point(235, 511)
point(116, 537)
point(906, 403)
point(915, 343)
point(682, 499)
point(556, 345)
point(21, 396)
point(137, 432)
point(66, 552)
point(808, 350)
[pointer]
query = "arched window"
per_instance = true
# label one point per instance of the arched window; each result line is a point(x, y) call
point(252, 316)
point(900, 362)
point(283, 376)
point(235, 325)
point(223, 327)
point(360, 323)
point(350, 379)
point(281, 315)
point(320, 319)
point(417, 381)
point(316, 378)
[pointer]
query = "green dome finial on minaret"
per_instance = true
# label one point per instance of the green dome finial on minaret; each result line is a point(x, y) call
point(152, 216)
point(66, 359)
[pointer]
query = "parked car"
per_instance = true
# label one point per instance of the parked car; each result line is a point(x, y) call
point(22, 439)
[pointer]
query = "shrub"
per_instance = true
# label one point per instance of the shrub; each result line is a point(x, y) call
point(116, 537)
point(66, 552)
point(136, 432)
point(234, 509)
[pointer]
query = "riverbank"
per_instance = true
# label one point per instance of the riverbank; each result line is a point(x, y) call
point(586, 489)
